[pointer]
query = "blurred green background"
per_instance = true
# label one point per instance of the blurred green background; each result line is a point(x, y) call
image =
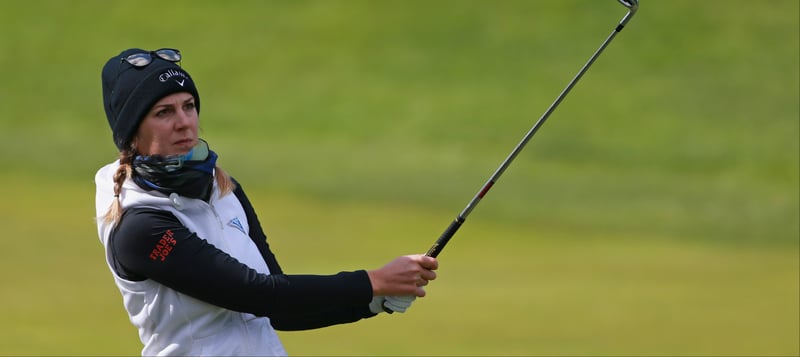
point(656, 213)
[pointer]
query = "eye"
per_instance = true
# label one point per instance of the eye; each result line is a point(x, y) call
point(189, 106)
point(163, 112)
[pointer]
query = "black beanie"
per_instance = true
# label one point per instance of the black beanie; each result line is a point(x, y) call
point(129, 92)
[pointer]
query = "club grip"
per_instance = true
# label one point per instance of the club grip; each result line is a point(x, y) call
point(445, 237)
point(438, 246)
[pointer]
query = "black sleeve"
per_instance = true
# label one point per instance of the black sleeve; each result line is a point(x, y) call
point(153, 244)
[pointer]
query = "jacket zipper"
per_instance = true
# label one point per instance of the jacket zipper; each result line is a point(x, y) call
point(216, 215)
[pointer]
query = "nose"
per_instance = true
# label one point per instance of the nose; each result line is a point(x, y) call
point(184, 119)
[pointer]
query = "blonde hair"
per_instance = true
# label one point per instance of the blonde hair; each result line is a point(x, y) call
point(224, 183)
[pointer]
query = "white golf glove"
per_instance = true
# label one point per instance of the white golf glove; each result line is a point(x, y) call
point(391, 304)
point(376, 305)
point(399, 303)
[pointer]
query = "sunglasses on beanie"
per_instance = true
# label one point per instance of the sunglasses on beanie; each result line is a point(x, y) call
point(142, 59)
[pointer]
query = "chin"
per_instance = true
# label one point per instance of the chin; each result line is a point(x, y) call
point(184, 148)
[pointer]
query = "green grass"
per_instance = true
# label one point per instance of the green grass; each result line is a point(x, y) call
point(502, 290)
point(656, 213)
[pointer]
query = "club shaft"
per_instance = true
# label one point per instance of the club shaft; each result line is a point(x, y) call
point(440, 243)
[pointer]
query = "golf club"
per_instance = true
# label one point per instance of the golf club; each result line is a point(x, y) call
point(437, 247)
point(440, 243)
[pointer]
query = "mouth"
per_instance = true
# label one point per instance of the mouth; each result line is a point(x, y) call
point(184, 142)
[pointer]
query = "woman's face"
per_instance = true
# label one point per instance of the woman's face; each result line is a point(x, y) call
point(170, 128)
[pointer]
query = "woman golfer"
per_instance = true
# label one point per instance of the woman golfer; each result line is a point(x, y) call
point(184, 243)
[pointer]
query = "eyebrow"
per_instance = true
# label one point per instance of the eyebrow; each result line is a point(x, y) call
point(171, 104)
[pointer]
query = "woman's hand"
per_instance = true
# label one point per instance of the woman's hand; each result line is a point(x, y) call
point(405, 275)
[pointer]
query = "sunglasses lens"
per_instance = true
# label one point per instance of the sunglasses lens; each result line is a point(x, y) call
point(143, 59)
point(139, 59)
point(169, 54)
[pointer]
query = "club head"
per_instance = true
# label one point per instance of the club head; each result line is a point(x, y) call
point(631, 4)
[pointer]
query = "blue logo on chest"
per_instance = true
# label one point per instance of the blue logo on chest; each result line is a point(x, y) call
point(236, 224)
